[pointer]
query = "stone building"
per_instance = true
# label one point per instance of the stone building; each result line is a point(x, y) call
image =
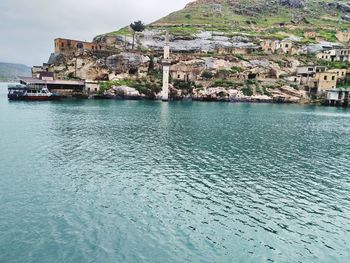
point(317, 78)
point(341, 73)
point(68, 45)
point(309, 70)
point(187, 70)
point(276, 46)
point(325, 81)
point(343, 36)
point(310, 34)
point(238, 50)
point(341, 55)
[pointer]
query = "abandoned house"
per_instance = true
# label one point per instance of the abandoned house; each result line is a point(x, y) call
point(277, 46)
point(68, 45)
point(187, 70)
point(343, 36)
point(310, 34)
point(341, 55)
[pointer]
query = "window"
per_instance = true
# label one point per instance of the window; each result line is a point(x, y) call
point(325, 78)
point(333, 77)
point(62, 44)
point(311, 69)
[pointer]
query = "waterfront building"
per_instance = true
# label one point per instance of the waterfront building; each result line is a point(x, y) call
point(61, 87)
point(338, 97)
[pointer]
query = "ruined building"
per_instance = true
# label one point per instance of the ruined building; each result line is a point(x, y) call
point(68, 45)
point(343, 36)
point(341, 55)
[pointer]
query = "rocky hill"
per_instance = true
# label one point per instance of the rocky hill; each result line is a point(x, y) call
point(251, 50)
point(258, 17)
point(10, 71)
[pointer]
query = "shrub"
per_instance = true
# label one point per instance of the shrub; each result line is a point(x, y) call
point(222, 83)
point(207, 75)
point(247, 91)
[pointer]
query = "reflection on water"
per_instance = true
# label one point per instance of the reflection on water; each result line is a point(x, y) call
point(128, 181)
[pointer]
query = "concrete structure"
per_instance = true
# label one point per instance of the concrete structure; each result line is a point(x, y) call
point(337, 97)
point(61, 87)
point(309, 70)
point(342, 55)
point(343, 36)
point(69, 45)
point(91, 87)
point(317, 78)
point(166, 68)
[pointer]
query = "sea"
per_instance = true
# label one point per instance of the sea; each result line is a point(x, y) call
point(147, 181)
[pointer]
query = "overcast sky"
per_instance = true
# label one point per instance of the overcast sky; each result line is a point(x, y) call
point(28, 27)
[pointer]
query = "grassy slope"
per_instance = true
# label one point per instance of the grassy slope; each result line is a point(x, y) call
point(260, 19)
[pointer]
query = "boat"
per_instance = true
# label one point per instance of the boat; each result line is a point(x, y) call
point(30, 93)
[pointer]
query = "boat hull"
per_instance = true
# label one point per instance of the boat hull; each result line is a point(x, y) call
point(33, 98)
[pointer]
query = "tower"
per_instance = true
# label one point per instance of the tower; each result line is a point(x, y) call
point(166, 68)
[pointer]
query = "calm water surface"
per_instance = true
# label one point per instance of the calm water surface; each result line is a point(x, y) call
point(128, 181)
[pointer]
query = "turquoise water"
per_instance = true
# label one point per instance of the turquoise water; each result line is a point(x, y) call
point(129, 181)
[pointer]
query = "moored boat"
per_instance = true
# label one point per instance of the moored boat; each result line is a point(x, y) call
point(23, 92)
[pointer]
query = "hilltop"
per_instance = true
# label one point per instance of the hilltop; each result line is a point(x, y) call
point(258, 17)
point(10, 71)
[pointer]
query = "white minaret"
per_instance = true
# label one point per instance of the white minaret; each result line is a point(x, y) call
point(166, 68)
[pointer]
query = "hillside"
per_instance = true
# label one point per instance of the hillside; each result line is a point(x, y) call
point(226, 15)
point(258, 17)
point(10, 71)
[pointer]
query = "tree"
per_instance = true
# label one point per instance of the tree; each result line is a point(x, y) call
point(137, 26)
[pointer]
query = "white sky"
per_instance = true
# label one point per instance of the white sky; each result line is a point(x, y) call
point(28, 27)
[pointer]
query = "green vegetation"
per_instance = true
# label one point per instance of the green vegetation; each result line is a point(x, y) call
point(266, 92)
point(335, 64)
point(327, 35)
point(255, 18)
point(236, 70)
point(137, 26)
point(183, 85)
point(207, 75)
point(247, 91)
point(223, 83)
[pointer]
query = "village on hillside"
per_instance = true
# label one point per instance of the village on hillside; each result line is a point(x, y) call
point(206, 66)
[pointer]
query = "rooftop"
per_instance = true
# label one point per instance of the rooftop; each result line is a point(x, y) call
point(29, 80)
